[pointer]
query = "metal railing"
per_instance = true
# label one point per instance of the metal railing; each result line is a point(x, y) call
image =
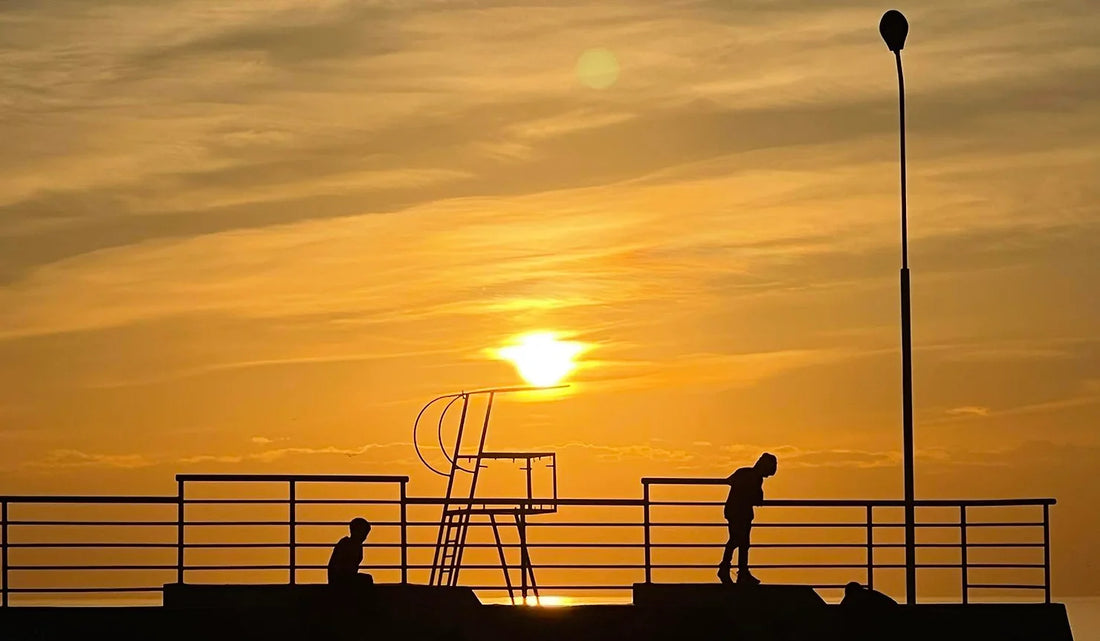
point(93, 524)
point(870, 521)
point(292, 502)
point(280, 531)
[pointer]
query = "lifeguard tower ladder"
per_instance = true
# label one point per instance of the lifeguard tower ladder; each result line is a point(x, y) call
point(466, 459)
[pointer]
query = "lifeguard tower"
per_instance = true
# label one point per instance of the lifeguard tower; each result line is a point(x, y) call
point(465, 461)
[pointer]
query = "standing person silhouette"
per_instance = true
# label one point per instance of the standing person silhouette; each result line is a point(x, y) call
point(343, 565)
point(746, 491)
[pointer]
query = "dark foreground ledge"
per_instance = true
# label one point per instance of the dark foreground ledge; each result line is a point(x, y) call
point(410, 599)
point(798, 612)
point(705, 612)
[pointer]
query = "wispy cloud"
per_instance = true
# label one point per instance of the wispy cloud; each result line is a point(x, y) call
point(79, 459)
point(275, 454)
point(71, 458)
point(968, 410)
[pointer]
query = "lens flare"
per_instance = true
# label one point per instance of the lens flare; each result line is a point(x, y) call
point(597, 69)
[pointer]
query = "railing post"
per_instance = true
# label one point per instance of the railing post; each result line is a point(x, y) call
point(1046, 552)
point(645, 530)
point(404, 534)
point(4, 547)
point(292, 505)
point(179, 531)
point(870, 547)
point(962, 553)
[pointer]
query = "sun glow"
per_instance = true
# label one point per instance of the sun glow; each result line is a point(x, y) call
point(549, 601)
point(541, 359)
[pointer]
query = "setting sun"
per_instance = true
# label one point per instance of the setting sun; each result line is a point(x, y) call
point(541, 359)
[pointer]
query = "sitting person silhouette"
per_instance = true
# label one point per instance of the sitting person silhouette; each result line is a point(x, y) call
point(746, 491)
point(343, 565)
point(860, 596)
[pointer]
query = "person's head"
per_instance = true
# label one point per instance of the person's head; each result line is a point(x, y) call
point(766, 464)
point(360, 528)
point(852, 589)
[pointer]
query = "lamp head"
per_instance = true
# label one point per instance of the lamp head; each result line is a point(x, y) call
point(893, 27)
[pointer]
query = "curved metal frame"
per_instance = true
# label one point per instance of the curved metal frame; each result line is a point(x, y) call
point(466, 397)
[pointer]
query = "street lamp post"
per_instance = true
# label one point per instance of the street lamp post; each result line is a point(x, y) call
point(894, 28)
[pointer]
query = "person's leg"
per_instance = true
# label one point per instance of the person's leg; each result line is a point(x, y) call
point(727, 553)
point(364, 579)
point(743, 573)
point(731, 544)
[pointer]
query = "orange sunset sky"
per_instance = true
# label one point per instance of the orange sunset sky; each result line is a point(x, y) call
point(257, 236)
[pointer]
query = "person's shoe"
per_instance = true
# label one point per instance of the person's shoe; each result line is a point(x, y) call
point(744, 578)
point(724, 576)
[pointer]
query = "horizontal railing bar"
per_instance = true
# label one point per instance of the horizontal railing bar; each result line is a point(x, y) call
point(92, 567)
point(287, 501)
point(92, 545)
point(491, 455)
point(710, 524)
point(996, 545)
point(265, 523)
point(538, 525)
point(284, 566)
point(104, 523)
point(301, 566)
point(719, 545)
point(856, 502)
point(274, 545)
point(697, 566)
point(423, 500)
point(564, 545)
point(89, 499)
point(601, 502)
point(1006, 586)
point(159, 588)
point(634, 566)
point(311, 523)
point(411, 566)
point(535, 524)
point(695, 524)
point(822, 524)
point(382, 546)
point(567, 545)
point(1002, 524)
point(550, 566)
point(187, 501)
point(348, 501)
point(302, 478)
